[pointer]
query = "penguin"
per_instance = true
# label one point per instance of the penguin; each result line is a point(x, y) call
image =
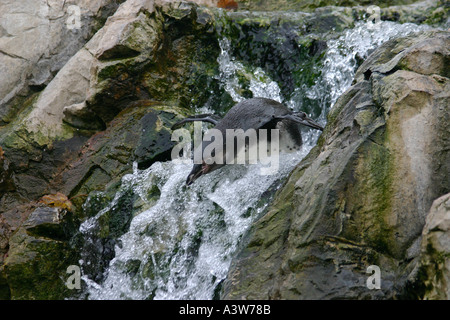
point(254, 113)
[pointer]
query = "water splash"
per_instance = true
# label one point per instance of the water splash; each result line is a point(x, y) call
point(233, 73)
point(343, 53)
point(181, 247)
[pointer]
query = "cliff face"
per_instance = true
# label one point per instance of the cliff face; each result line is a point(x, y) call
point(37, 38)
point(87, 88)
point(363, 194)
point(110, 103)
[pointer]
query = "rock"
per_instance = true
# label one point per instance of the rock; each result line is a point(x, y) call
point(51, 147)
point(37, 258)
point(140, 133)
point(168, 54)
point(362, 195)
point(45, 222)
point(289, 54)
point(111, 41)
point(5, 234)
point(79, 116)
point(36, 141)
point(56, 122)
point(35, 268)
point(44, 123)
point(423, 55)
point(127, 47)
point(430, 12)
point(6, 181)
point(435, 263)
point(45, 24)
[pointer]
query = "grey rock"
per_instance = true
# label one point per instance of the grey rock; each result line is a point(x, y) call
point(46, 222)
point(435, 255)
point(362, 195)
point(36, 41)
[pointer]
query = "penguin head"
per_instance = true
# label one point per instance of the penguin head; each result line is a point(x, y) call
point(201, 169)
point(302, 118)
point(211, 160)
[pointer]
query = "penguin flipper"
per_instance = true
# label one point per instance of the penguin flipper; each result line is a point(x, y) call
point(211, 118)
point(301, 118)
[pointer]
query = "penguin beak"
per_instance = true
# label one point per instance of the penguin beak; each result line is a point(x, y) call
point(197, 171)
point(311, 123)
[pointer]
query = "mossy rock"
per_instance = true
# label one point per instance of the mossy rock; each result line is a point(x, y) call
point(140, 133)
point(36, 267)
point(168, 55)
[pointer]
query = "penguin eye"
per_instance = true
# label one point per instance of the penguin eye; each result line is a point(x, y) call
point(303, 115)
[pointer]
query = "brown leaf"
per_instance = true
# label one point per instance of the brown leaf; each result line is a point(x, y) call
point(227, 4)
point(57, 200)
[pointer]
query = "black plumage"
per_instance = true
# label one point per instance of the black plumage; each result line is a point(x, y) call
point(255, 113)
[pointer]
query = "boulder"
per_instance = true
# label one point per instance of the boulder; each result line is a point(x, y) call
point(39, 254)
point(138, 134)
point(130, 59)
point(290, 46)
point(46, 222)
point(362, 195)
point(36, 267)
point(434, 274)
point(165, 54)
point(56, 30)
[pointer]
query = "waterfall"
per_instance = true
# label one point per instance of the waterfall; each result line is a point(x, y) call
point(340, 61)
point(181, 240)
point(260, 84)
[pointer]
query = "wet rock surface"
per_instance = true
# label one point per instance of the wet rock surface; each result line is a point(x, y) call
point(363, 194)
point(33, 50)
point(434, 270)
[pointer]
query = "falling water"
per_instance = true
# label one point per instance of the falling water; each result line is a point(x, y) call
point(341, 58)
point(260, 84)
point(180, 242)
